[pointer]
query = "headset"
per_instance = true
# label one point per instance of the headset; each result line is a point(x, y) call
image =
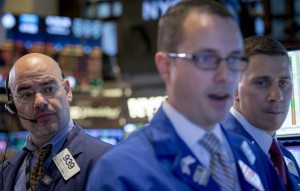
point(10, 105)
point(11, 108)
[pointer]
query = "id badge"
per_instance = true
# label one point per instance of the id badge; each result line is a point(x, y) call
point(66, 164)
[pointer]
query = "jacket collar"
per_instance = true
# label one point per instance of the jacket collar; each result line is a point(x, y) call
point(162, 134)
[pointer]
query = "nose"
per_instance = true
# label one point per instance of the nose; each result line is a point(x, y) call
point(275, 94)
point(224, 74)
point(40, 102)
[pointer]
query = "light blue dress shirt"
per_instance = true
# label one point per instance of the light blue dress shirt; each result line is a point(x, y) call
point(263, 139)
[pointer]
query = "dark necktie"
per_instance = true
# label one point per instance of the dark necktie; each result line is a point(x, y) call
point(277, 159)
point(38, 168)
point(220, 168)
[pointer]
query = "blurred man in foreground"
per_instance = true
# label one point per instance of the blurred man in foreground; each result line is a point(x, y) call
point(200, 57)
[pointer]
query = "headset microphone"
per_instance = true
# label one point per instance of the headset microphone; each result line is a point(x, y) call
point(11, 108)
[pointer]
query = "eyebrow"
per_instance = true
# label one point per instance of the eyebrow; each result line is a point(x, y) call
point(260, 77)
point(27, 86)
point(268, 77)
point(216, 52)
point(50, 81)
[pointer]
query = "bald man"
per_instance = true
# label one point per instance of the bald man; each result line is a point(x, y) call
point(40, 96)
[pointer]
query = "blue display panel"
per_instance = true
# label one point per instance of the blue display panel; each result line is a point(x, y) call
point(52, 29)
point(3, 139)
point(112, 136)
point(17, 139)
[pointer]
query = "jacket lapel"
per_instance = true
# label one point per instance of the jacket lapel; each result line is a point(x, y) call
point(11, 168)
point(244, 162)
point(232, 124)
point(171, 150)
point(75, 146)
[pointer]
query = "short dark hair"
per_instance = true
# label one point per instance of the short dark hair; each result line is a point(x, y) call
point(263, 45)
point(170, 24)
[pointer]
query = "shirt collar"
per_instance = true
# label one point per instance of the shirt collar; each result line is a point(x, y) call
point(57, 140)
point(263, 139)
point(186, 130)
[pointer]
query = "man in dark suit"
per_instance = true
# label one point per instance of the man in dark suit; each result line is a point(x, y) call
point(262, 101)
point(184, 147)
point(58, 155)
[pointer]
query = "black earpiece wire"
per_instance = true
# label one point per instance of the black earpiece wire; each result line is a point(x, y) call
point(5, 151)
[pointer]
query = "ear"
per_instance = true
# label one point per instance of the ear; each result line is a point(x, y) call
point(163, 65)
point(68, 90)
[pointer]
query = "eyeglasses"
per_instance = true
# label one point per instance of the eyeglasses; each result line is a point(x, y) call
point(207, 61)
point(28, 95)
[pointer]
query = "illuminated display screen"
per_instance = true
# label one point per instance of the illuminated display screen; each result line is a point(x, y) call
point(291, 126)
point(3, 139)
point(29, 23)
point(112, 136)
point(295, 150)
point(53, 29)
point(17, 139)
point(57, 25)
point(292, 144)
point(86, 28)
point(8, 21)
point(109, 38)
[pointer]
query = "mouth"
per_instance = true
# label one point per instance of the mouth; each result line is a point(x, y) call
point(219, 96)
point(274, 112)
point(44, 116)
point(220, 100)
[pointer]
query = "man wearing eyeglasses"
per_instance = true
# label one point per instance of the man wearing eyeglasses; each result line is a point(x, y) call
point(57, 155)
point(262, 102)
point(184, 148)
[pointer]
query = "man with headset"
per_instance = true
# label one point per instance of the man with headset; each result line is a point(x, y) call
point(57, 155)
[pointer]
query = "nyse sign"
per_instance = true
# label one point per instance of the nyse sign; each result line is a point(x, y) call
point(153, 9)
point(143, 107)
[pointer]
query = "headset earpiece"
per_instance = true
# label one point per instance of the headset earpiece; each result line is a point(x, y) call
point(7, 89)
point(11, 108)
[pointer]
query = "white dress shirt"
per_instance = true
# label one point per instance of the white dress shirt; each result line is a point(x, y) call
point(191, 134)
point(263, 139)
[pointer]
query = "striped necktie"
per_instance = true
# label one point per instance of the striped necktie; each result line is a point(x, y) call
point(220, 168)
point(277, 159)
point(38, 168)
